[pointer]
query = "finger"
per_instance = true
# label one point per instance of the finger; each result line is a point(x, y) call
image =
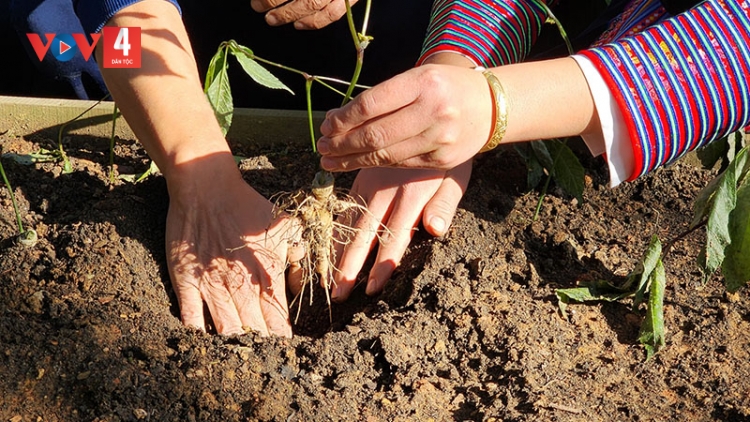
point(295, 10)
point(394, 241)
point(415, 151)
point(220, 303)
point(329, 14)
point(357, 249)
point(379, 132)
point(264, 5)
point(247, 302)
point(190, 302)
point(384, 98)
point(440, 210)
point(185, 283)
point(273, 304)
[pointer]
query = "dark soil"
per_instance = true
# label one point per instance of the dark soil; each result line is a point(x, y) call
point(467, 329)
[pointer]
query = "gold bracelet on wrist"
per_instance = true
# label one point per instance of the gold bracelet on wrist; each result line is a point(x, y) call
point(500, 112)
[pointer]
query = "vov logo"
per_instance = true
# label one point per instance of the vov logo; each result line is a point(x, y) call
point(121, 48)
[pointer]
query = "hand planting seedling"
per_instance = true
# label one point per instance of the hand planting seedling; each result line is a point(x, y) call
point(317, 213)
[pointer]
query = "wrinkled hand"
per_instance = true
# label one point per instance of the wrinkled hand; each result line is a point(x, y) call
point(432, 116)
point(396, 198)
point(224, 249)
point(306, 14)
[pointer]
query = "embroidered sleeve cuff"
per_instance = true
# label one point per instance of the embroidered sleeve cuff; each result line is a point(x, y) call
point(613, 141)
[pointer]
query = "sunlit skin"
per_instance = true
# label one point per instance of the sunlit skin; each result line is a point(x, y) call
point(433, 120)
point(224, 248)
point(304, 14)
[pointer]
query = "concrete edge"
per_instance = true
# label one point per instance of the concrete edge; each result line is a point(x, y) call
point(26, 116)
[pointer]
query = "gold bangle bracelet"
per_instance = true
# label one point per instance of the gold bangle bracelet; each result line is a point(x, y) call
point(500, 123)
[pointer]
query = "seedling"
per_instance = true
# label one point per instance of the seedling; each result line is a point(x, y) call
point(723, 208)
point(26, 237)
point(316, 212)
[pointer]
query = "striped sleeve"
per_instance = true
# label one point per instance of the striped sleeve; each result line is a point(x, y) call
point(491, 33)
point(682, 83)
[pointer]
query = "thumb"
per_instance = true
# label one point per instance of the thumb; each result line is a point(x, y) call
point(439, 211)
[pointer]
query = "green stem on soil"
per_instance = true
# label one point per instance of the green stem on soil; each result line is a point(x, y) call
point(546, 182)
point(66, 164)
point(12, 198)
point(668, 247)
point(541, 198)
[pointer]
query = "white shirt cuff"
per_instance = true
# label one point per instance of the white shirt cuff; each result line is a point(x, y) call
point(614, 140)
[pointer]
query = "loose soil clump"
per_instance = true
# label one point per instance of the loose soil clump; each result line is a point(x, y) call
point(467, 328)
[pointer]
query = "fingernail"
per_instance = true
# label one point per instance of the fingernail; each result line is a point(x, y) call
point(323, 146)
point(271, 19)
point(300, 25)
point(438, 225)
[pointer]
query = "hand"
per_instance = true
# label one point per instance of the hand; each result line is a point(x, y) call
point(433, 116)
point(306, 14)
point(396, 198)
point(224, 249)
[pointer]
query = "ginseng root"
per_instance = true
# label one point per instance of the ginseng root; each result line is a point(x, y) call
point(315, 212)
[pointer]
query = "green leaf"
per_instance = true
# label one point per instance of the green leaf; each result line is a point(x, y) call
point(259, 73)
point(41, 156)
point(219, 60)
point(652, 329)
point(736, 265)
point(534, 170)
point(137, 178)
point(712, 153)
point(568, 171)
point(600, 290)
point(218, 91)
point(704, 201)
point(650, 260)
point(539, 148)
point(723, 203)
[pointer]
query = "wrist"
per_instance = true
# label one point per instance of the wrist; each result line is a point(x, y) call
point(204, 175)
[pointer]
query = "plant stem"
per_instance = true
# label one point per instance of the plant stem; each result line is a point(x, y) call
point(553, 18)
point(308, 88)
point(12, 198)
point(541, 198)
point(569, 46)
point(319, 79)
point(360, 43)
point(66, 163)
point(546, 182)
point(668, 246)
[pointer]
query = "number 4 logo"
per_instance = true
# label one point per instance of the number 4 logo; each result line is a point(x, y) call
point(122, 47)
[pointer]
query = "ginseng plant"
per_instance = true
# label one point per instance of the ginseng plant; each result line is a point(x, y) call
point(316, 212)
point(26, 237)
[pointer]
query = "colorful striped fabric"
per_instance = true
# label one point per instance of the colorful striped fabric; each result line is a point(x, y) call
point(680, 82)
point(491, 33)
